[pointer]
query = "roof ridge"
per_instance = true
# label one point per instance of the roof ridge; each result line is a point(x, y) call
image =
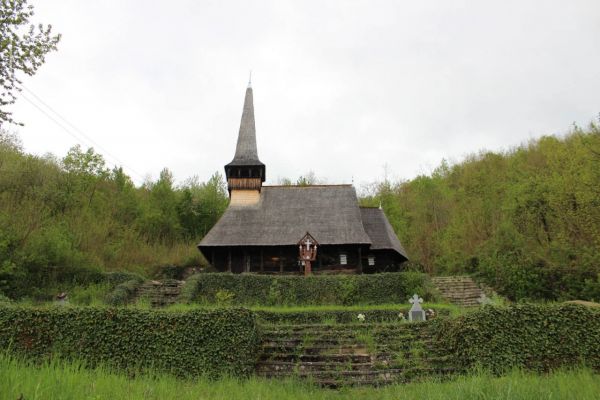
point(308, 186)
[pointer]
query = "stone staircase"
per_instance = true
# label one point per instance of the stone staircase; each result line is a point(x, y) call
point(460, 290)
point(350, 354)
point(160, 293)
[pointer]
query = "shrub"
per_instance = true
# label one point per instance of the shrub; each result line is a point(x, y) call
point(193, 343)
point(123, 292)
point(88, 295)
point(253, 289)
point(536, 337)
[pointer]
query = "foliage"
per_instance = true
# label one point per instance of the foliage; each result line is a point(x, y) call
point(76, 215)
point(195, 343)
point(94, 294)
point(536, 337)
point(58, 380)
point(317, 289)
point(525, 220)
point(123, 292)
point(23, 49)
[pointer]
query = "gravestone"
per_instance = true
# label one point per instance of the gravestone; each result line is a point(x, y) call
point(416, 312)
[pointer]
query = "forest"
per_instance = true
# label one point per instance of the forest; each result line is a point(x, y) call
point(526, 220)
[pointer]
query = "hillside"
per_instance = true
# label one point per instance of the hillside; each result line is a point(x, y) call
point(526, 220)
point(74, 213)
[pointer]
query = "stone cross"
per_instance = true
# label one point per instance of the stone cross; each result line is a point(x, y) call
point(484, 300)
point(416, 312)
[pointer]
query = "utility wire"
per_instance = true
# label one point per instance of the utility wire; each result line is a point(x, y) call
point(73, 128)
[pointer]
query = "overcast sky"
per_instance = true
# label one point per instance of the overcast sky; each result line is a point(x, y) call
point(341, 88)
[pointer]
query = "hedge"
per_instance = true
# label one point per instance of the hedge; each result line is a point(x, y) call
point(251, 289)
point(43, 283)
point(202, 342)
point(535, 337)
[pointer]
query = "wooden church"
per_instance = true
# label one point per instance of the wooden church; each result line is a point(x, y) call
point(294, 229)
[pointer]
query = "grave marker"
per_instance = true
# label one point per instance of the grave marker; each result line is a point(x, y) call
point(416, 312)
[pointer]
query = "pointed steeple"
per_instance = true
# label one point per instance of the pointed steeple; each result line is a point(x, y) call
point(245, 164)
point(245, 151)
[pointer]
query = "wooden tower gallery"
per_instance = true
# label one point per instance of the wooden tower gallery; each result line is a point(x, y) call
point(294, 229)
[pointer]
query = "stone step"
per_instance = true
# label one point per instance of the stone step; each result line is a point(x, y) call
point(375, 377)
point(335, 338)
point(287, 366)
point(332, 358)
point(340, 378)
point(160, 293)
point(344, 360)
point(332, 344)
point(346, 329)
point(350, 354)
point(460, 290)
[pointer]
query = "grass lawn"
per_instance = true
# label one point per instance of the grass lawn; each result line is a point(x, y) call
point(58, 380)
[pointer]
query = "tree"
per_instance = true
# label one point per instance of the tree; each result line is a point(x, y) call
point(22, 50)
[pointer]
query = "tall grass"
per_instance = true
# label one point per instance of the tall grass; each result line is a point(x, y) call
point(58, 380)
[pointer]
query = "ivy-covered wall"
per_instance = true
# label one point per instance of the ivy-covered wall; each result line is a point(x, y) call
point(190, 343)
point(536, 337)
point(247, 289)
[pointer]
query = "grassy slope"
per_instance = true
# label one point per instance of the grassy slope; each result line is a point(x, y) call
point(70, 381)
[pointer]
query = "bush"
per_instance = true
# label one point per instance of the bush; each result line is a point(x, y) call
point(542, 281)
point(123, 292)
point(193, 343)
point(88, 295)
point(169, 272)
point(535, 337)
point(4, 300)
point(250, 289)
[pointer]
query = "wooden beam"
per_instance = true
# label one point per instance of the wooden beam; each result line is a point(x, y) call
point(360, 266)
point(280, 261)
point(229, 260)
point(262, 263)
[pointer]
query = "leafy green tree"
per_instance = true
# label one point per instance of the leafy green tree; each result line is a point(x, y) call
point(23, 50)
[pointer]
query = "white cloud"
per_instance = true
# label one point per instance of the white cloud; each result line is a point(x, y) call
point(341, 88)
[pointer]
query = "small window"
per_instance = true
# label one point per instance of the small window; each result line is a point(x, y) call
point(343, 259)
point(371, 260)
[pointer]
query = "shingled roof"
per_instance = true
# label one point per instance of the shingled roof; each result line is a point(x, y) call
point(245, 150)
point(285, 213)
point(380, 231)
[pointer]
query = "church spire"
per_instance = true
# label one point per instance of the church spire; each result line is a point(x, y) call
point(245, 151)
point(246, 171)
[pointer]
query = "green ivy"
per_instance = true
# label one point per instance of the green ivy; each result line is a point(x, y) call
point(536, 337)
point(192, 343)
point(250, 289)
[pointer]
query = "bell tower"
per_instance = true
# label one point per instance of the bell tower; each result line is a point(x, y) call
point(245, 173)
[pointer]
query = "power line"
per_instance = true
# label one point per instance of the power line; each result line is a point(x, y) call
point(73, 127)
